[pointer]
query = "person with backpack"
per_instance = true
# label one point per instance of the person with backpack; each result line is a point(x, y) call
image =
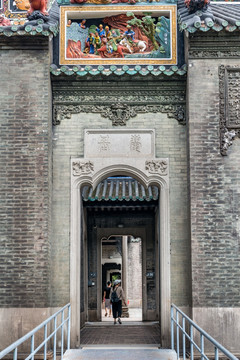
point(117, 297)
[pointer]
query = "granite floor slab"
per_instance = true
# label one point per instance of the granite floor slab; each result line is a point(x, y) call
point(120, 354)
point(125, 334)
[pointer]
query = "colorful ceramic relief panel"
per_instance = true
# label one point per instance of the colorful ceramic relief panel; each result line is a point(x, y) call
point(118, 34)
point(14, 8)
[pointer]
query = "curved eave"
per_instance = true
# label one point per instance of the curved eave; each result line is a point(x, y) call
point(118, 70)
point(119, 190)
point(225, 17)
point(35, 27)
point(28, 30)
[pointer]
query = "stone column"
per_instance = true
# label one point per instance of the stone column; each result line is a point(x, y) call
point(124, 264)
point(124, 273)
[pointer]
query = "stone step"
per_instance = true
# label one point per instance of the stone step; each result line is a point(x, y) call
point(120, 353)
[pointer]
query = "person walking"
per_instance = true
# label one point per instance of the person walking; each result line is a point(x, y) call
point(117, 297)
point(106, 298)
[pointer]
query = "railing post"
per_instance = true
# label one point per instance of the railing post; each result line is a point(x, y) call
point(45, 342)
point(184, 338)
point(202, 346)
point(191, 341)
point(32, 346)
point(172, 328)
point(216, 353)
point(62, 335)
point(68, 336)
point(55, 338)
point(177, 336)
point(15, 354)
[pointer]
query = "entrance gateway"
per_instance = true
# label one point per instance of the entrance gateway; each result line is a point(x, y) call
point(112, 153)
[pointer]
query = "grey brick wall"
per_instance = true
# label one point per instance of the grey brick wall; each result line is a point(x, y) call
point(25, 157)
point(215, 193)
point(170, 143)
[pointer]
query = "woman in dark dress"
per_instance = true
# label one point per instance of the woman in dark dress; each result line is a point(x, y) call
point(106, 298)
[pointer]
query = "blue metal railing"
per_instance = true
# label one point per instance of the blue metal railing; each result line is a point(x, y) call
point(180, 323)
point(44, 325)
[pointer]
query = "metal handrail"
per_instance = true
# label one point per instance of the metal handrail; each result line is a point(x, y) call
point(203, 335)
point(14, 347)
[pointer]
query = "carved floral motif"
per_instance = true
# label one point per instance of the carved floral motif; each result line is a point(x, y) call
point(111, 96)
point(229, 88)
point(157, 167)
point(118, 113)
point(214, 53)
point(82, 167)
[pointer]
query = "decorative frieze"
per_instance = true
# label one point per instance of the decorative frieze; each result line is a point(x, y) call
point(118, 106)
point(157, 167)
point(82, 167)
point(214, 53)
point(118, 103)
point(118, 113)
point(229, 88)
point(214, 46)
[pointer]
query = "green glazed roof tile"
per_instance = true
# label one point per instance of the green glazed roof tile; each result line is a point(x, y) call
point(216, 16)
point(153, 70)
point(121, 189)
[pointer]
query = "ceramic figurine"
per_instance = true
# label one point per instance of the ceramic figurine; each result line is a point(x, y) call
point(129, 34)
point(107, 32)
point(38, 5)
point(195, 5)
point(4, 21)
point(22, 4)
point(82, 24)
point(101, 31)
point(97, 41)
point(90, 42)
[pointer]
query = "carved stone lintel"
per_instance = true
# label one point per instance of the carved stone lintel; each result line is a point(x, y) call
point(118, 113)
point(81, 167)
point(157, 167)
point(229, 88)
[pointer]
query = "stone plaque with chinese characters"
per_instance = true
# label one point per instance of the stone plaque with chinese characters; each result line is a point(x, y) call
point(119, 143)
point(232, 95)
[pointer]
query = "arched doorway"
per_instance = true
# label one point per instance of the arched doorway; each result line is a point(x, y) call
point(114, 152)
point(163, 294)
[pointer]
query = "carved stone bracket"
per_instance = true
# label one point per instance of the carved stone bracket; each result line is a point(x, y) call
point(227, 139)
point(229, 88)
point(157, 167)
point(82, 167)
point(118, 113)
